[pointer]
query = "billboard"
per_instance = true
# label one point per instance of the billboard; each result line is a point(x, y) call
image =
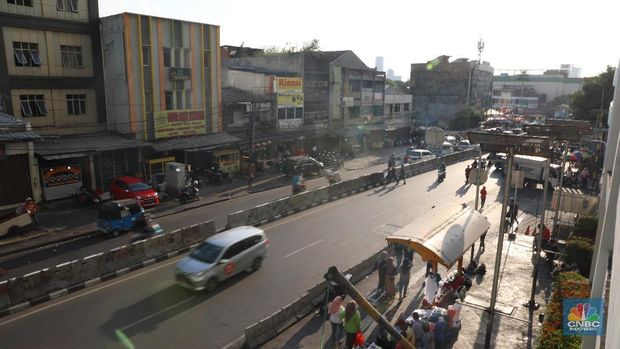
point(291, 100)
point(289, 85)
point(174, 123)
point(289, 124)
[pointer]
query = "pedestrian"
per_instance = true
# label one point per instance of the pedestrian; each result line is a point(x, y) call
point(402, 174)
point(390, 278)
point(251, 174)
point(483, 196)
point(403, 281)
point(352, 322)
point(467, 173)
point(391, 174)
point(482, 165)
point(392, 160)
point(31, 207)
point(429, 268)
point(408, 254)
point(427, 338)
point(482, 237)
point(418, 330)
point(381, 260)
point(398, 253)
point(336, 310)
point(474, 164)
point(440, 333)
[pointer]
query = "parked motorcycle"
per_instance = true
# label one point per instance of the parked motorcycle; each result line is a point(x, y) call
point(189, 193)
point(85, 196)
point(333, 176)
point(217, 176)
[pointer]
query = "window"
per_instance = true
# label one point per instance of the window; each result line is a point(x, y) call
point(148, 101)
point(26, 54)
point(406, 107)
point(76, 104)
point(354, 85)
point(187, 55)
point(32, 105)
point(166, 57)
point(188, 99)
point(233, 250)
point(177, 57)
point(74, 6)
point(168, 98)
point(146, 55)
point(282, 113)
point(299, 112)
point(20, 2)
point(71, 56)
point(207, 58)
point(367, 84)
point(179, 99)
point(290, 113)
point(60, 5)
point(397, 108)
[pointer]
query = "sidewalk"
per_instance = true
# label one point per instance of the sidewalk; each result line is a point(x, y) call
point(54, 227)
point(513, 325)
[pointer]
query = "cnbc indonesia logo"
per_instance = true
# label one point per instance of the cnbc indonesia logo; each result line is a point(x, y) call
point(582, 317)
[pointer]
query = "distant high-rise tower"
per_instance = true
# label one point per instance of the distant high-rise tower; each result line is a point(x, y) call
point(379, 63)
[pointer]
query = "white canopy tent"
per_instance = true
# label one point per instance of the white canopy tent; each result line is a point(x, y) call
point(441, 240)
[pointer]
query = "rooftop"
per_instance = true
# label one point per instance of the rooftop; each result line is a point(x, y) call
point(14, 130)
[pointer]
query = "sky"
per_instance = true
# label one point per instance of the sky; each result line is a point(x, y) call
point(531, 35)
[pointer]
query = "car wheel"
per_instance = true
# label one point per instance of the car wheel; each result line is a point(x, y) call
point(257, 263)
point(211, 285)
point(116, 233)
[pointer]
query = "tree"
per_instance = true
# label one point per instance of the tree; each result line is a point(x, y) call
point(585, 104)
point(308, 46)
point(466, 119)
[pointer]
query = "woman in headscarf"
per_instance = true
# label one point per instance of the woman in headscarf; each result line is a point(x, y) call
point(352, 322)
point(390, 278)
point(336, 311)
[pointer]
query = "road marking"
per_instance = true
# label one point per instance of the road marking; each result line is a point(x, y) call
point(303, 248)
point(157, 313)
point(87, 293)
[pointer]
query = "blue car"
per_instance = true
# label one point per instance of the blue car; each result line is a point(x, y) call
point(116, 217)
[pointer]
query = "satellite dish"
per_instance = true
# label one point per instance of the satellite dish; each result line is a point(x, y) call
point(434, 136)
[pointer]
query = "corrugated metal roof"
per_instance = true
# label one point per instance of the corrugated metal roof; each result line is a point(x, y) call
point(196, 142)
point(262, 70)
point(234, 95)
point(85, 144)
point(14, 130)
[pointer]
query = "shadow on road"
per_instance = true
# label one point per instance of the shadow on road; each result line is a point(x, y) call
point(462, 190)
point(146, 314)
point(432, 186)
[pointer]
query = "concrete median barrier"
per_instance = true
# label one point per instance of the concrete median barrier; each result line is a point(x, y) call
point(284, 318)
point(87, 271)
point(259, 333)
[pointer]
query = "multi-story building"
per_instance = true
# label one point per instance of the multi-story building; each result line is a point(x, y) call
point(19, 174)
point(163, 84)
point(51, 76)
point(442, 88)
point(548, 86)
point(342, 97)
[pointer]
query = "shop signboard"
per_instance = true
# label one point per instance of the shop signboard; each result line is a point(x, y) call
point(175, 123)
point(61, 181)
point(176, 74)
point(289, 124)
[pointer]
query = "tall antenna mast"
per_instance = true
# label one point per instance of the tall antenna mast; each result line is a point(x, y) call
point(480, 49)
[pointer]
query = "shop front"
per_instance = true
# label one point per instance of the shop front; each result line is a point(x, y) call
point(92, 161)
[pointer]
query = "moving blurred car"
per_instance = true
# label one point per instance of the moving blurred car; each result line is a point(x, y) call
point(305, 164)
point(134, 188)
point(419, 154)
point(222, 256)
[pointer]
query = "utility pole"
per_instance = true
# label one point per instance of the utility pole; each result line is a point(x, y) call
point(556, 230)
point(500, 247)
point(532, 302)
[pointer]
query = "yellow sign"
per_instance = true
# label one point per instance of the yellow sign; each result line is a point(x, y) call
point(293, 99)
point(287, 85)
point(174, 123)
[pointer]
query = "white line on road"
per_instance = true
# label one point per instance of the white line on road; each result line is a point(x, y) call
point(68, 299)
point(303, 248)
point(157, 313)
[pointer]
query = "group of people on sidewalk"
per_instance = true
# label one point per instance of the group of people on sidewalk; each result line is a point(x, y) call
point(391, 171)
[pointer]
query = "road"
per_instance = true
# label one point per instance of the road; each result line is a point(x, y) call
point(153, 312)
point(29, 261)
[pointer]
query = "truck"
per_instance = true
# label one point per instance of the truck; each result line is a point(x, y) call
point(533, 168)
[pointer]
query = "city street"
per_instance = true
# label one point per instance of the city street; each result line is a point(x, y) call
point(148, 308)
point(32, 260)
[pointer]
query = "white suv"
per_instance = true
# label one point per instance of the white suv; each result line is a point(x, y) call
point(420, 154)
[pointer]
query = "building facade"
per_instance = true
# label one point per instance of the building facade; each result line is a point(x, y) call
point(441, 88)
point(50, 65)
point(163, 77)
point(547, 87)
point(340, 94)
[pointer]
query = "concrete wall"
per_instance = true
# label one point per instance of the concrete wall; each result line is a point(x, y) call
point(30, 287)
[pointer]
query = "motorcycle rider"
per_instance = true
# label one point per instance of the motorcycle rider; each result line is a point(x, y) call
point(442, 167)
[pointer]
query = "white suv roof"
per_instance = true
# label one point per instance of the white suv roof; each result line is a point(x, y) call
point(231, 236)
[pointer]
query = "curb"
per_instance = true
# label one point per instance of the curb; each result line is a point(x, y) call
point(85, 284)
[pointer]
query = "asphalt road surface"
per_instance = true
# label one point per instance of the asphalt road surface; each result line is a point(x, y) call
point(152, 312)
point(33, 260)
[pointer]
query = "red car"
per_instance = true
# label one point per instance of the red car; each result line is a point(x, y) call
point(134, 188)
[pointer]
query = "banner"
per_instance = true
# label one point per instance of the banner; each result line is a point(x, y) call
point(61, 175)
point(174, 123)
point(289, 85)
point(291, 100)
